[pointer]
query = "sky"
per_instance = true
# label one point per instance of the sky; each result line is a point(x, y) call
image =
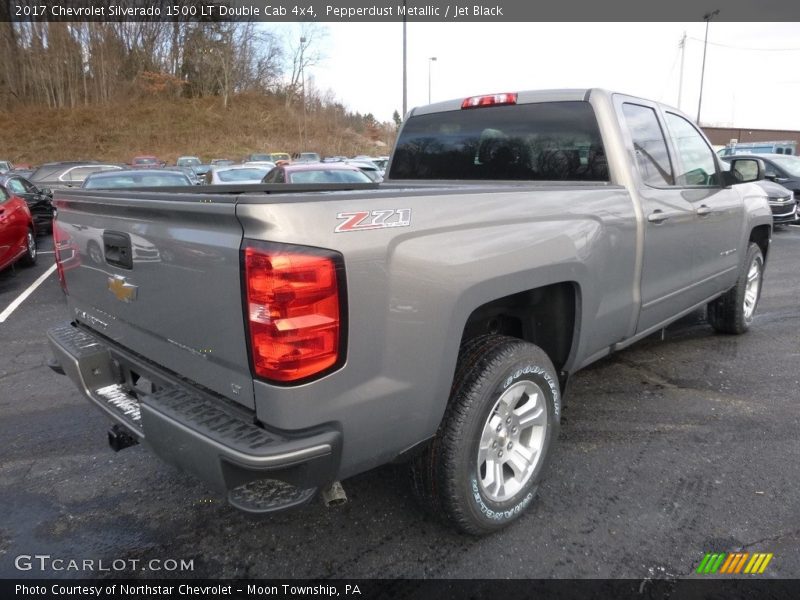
point(752, 79)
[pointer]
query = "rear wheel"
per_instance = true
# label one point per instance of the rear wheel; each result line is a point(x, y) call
point(31, 252)
point(482, 469)
point(733, 312)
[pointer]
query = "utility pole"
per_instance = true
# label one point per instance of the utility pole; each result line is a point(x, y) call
point(707, 18)
point(405, 80)
point(430, 60)
point(682, 45)
point(303, 88)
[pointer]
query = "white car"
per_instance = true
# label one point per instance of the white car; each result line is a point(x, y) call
point(236, 174)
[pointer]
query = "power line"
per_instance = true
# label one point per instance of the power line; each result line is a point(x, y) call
point(745, 47)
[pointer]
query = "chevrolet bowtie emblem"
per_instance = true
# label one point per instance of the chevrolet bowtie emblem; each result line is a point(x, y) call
point(124, 291)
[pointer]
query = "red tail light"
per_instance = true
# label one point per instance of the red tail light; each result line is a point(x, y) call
point(293, 311)
point(489, 100)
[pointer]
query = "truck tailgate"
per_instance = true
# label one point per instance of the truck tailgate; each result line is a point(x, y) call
point(160, 276)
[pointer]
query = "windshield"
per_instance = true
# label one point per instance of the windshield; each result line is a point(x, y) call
point(251, 174)
point(259, 157)
point(145, 161)
point(790, 164)
point(329, 176)
point(540, 141)
point(188, 161)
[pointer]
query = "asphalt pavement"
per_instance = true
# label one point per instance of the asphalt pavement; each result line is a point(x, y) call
point(670, 449)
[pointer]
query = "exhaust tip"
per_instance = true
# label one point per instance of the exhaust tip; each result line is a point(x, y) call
point(334, 495)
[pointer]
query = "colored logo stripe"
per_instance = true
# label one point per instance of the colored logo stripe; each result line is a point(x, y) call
point(733, 563)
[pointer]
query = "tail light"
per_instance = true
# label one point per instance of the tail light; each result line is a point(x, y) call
point(294, 307)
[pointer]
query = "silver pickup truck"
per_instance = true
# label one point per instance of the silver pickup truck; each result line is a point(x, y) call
point(277, 339)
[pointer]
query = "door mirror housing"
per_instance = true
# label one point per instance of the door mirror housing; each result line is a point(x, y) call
point(745, 170)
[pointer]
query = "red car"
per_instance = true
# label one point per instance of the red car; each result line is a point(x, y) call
point(17, 231)
point(145, 162)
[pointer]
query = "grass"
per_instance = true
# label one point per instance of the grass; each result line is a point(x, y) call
point(169, 128)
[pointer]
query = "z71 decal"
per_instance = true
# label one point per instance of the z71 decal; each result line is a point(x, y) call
point(364, 220)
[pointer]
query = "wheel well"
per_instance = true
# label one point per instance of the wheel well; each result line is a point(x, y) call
point(761, 236)
point(544, 316)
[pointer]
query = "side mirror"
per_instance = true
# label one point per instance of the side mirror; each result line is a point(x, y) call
point(46, 191)
point(745, 170)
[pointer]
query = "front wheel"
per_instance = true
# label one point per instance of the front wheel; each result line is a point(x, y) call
point(482, 469)
point(733, 312)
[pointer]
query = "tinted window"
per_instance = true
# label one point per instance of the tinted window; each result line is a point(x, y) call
point(16, 187)
point(81, 173)
point(698, 166)
point(154, 179)
point(789, 164)
point(544, 141)
point(329, 176)
point(650, 148)
point(242, 174)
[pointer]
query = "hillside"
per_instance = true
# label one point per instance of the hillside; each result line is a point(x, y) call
point(173, 127)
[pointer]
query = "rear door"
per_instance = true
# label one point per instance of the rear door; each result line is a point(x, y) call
point(159, 275)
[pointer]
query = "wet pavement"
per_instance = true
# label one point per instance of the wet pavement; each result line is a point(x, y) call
point(669, 449)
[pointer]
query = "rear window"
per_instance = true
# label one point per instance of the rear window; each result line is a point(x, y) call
point(155, 179)
point(329, 176)
point(242, 174)
point(539, 142)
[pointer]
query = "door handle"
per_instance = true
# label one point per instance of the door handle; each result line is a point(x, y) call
point(703, 211)
point(657, 216)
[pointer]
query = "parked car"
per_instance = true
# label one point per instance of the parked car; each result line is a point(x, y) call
point(369, 168)
point(17, 231)
point(39, 201)
point(257, 158)
point(781, 201)
point(777, 147)
point(130, 178)
point(236, 174)
point(147, 162)
point(780, 168)
point(316, 173)
point(71, 174)
point(306, 157)
point(276, 156)
point(6, 165)
point(260, 163)
point(26, 173)
point(200, 171)
point(190, 173)
point(188, 161)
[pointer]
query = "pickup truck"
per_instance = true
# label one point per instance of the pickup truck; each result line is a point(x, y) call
point(278, 339)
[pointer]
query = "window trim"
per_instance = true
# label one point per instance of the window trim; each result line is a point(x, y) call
point(714, 157)
point(667, 142)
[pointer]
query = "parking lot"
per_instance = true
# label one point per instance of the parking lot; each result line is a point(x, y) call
point(669, 449)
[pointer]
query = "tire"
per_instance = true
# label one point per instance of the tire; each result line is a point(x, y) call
point(31, 251)
point(733, 311)
point(500, 424)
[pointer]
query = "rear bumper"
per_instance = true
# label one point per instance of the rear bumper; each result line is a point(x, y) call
point(194, 430)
